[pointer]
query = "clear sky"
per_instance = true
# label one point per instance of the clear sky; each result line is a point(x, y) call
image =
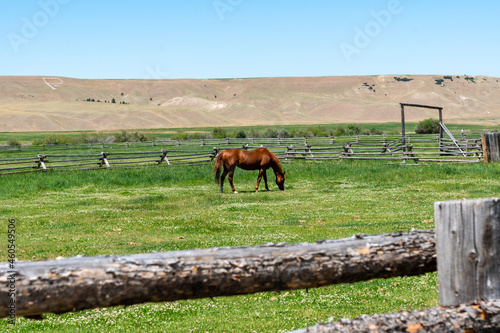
point(164, 39)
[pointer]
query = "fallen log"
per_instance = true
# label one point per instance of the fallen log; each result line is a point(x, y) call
point(78, 283)
point(474, 317)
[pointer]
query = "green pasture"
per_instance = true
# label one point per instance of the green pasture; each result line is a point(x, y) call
point(166, 208)
point(164, 133)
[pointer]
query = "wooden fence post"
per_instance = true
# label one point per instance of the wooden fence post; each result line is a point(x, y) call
point(104, 160)
point(468, 250)
point(163, 157)
point(491, 146)
point(41, 162)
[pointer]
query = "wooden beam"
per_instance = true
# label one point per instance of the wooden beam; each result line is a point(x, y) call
point(468, 237)
point(421, 106)
point(491, 146)
point(80, 283)
point(480, 317)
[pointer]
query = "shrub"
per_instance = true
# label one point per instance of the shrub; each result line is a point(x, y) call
point(427, 126)
point(219, 133)
point(13, 142)
point(125, 136)
point(241, 134)
point(57, 140)
point(270, 132)
point(179, 136)
point(374, 131)
point(93, 138)
point(300, 133)
point(353, 129)
point(283, 133)
point(318, 131)
point(339, 131)
point(254, 133)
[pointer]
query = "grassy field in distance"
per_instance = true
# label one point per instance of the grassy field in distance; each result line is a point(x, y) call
point(386, 128)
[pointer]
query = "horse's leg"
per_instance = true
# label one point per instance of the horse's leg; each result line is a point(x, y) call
point(230, 177)
point(224, 173)
point(261, 171)
point(265, 180)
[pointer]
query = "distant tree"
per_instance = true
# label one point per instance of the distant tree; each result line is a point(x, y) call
point(470, 79)
point(113, 101)
point(219, 133)
point(241, 134)
point(283, 133)
point(402, 79)
point(427, 126)
point(270, 132)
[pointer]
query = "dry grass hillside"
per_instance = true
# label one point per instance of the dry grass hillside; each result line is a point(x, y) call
point(59, 104)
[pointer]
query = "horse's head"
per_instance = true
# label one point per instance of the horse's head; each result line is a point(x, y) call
point(280, 181)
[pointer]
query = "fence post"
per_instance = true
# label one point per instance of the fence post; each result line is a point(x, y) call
point(163, 157)
point(491, 146)
point(41, 162)
point(308, 149)
point(468, 250)
point(104, 159)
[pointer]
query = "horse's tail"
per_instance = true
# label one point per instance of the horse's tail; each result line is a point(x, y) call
point(218, 166)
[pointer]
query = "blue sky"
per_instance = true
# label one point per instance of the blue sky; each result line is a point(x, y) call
point(248, 38)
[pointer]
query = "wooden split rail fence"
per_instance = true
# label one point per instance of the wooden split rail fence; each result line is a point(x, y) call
point(105, 160)
point(238, 142)
point(464, 249)
point(469, 151)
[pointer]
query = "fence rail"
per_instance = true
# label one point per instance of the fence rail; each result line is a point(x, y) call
point(384, 138)
point(79, 283)
point(464, 151)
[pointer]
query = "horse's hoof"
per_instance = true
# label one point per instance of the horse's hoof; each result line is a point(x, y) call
point(235, 192)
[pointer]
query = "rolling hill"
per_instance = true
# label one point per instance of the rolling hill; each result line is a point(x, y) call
point(65, 104)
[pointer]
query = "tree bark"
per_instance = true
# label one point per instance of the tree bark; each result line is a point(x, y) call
point(79, 283)
point(480, 317)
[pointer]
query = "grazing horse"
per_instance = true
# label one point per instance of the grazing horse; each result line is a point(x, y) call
point(259, 159)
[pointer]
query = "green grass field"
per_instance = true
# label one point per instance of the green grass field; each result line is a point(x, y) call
point(124, 211)
point(387, 128)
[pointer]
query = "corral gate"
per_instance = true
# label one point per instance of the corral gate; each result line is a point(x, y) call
point(442, 127)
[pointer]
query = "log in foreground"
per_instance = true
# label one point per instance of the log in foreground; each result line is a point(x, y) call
point(478, 317)
point(78, 283)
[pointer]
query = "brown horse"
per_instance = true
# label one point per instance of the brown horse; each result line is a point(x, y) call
point(259, 159)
